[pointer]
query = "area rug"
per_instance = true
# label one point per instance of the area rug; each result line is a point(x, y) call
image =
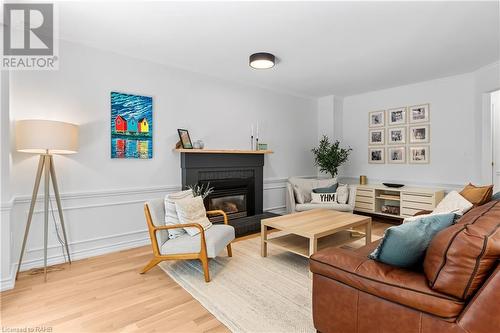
point(249, 293)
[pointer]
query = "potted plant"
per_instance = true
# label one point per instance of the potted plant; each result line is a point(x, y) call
point(330, 156)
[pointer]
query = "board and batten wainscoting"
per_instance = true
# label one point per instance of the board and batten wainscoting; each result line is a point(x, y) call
point(97, 223)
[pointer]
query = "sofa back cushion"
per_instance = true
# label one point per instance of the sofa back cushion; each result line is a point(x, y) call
point(462, 256)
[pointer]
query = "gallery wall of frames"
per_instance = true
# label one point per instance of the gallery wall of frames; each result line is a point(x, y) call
point(400, 135)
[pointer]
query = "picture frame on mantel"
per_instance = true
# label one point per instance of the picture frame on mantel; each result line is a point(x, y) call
point(184, 139)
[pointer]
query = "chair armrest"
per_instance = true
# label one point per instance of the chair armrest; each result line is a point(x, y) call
point(219, 212)
point(179, 226)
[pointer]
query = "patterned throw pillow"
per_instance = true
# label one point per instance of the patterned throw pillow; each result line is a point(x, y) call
point(323, 198)
point(342, 194)
point(192, 210)
point(171, 212)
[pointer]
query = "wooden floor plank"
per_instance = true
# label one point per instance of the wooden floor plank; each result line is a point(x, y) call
point(107, 294)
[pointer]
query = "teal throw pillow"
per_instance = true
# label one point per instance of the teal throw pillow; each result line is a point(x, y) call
point(329, 189)
point(405, 245)
point(496, 196)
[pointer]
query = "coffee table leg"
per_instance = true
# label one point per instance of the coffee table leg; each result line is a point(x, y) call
point(263, 238)
point(368, 232)
point(313, 246)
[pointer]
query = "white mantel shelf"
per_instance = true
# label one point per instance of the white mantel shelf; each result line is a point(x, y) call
point(222, 151)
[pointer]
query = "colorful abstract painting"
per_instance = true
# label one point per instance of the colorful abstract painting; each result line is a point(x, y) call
point(131, 126)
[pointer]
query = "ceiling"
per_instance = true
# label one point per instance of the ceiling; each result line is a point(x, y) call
point(324, 48)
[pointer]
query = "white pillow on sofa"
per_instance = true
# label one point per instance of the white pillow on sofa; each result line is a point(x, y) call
point(192, 210)
point(453, 202)
point(342, 194)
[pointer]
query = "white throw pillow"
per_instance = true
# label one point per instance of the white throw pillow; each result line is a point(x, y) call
point(322, 198)
point(171, 212)
point(453, 202)
point(299, 196)
point(342, 194)
point(192, 210)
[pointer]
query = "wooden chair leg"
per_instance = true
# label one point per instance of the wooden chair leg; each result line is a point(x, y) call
point(151, 264)
point(204, 262)
point(229, 251)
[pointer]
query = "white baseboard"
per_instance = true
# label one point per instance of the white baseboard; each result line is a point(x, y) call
point(9, 282)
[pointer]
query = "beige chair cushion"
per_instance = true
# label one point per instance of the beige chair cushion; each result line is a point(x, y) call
point(171, 217)
point(216, 238)
point(192, 210)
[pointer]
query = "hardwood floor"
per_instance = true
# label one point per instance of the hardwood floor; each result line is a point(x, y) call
point(107, 293)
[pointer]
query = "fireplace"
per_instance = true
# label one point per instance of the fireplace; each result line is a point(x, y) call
point(235, 196)
point(237, 180)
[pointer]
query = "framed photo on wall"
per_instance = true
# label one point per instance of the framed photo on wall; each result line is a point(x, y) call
point(396, 135)
point(419, 113)
point(420, 134)
point(376, 137)
point(419, 154)
point(376, 119)
point(396, 155)
point(185, 138)
point(396, 116)
point(376, 155)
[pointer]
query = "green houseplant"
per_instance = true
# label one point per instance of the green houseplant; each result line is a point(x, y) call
point(330, 156)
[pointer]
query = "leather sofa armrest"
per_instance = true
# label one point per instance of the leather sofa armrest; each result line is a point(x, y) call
point(482, 313)
point(402, 286)
point(290, 199)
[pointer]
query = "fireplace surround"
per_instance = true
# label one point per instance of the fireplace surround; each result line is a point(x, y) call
point(237, 179)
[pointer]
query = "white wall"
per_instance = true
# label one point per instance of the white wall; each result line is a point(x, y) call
point(460, 127)
point(103, 197)
point(452, 132)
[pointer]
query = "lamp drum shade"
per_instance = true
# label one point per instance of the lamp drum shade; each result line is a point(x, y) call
point(46, 136)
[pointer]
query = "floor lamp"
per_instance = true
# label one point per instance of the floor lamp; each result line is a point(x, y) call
point(45, 137)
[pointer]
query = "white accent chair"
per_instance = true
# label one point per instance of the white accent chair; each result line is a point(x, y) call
point(308, 184)
point(207, 244)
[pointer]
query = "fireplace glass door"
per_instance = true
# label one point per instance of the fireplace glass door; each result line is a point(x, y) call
point(234, 205)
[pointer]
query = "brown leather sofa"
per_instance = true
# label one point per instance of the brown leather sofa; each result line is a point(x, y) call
point(457, 289)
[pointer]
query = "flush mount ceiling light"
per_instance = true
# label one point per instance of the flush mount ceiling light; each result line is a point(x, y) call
point(262, 60)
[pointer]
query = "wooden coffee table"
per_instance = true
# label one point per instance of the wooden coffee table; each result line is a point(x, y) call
point(310, 231)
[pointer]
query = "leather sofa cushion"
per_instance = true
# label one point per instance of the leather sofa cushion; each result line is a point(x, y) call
point(401, 286)
point(461, 257)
